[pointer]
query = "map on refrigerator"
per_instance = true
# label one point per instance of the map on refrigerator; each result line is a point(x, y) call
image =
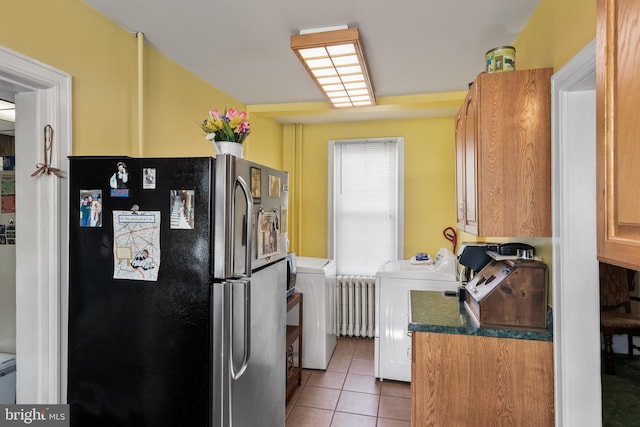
point(136, 245)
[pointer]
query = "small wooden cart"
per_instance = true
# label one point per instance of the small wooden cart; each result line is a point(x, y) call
point(294, 332)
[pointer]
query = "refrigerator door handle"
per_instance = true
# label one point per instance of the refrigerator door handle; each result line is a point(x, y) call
point(248, 223)
point(246, 336)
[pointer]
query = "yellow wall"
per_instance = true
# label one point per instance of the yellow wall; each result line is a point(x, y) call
point(175, 103)
point(258, 146)
point(555, 32)
point(429, 176)
point(102, 59)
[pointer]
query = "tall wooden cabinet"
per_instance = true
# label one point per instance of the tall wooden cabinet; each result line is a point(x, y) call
point(503, 155)
point(618, 132)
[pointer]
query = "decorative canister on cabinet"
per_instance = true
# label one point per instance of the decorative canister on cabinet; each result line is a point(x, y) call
point(500, 59)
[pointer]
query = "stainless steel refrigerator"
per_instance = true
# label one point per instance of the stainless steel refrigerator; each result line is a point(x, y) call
point(177, 284)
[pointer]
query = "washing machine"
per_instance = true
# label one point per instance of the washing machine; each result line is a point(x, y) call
point(316, 279)
point(7, 378)
point(394, 280)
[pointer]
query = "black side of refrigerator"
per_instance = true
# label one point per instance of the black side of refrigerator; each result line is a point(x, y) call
point(139, 350)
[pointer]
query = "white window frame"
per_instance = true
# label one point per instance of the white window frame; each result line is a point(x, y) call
point(399, 144)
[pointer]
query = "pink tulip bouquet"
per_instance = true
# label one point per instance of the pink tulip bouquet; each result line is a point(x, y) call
point(230, 126)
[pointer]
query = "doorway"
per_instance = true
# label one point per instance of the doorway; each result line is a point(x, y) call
point(7, 245)
point(575, 266)
point(42, 96)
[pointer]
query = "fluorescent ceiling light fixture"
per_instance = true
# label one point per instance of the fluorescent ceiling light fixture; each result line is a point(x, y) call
point(335, 60)
point(7, 111)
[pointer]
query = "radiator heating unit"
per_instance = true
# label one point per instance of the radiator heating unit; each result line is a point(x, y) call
point(355, 306)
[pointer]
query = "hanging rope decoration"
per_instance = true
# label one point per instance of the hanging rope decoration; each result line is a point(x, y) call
point(45, 168)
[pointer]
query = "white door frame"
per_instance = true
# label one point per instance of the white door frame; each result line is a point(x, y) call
point(576, 309)
point(43, 96)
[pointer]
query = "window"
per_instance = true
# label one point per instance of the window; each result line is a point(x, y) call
point(366, 201)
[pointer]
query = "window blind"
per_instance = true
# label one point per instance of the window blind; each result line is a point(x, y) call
point(365, 205)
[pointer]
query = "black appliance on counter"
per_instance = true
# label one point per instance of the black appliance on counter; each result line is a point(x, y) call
point(473, 257)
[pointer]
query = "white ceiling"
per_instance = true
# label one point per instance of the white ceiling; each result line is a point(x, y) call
point(242, 47)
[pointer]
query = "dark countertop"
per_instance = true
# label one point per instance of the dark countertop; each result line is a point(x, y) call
point(435, 312)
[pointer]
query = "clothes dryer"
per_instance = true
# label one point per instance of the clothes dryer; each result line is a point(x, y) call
point(394, 280)
point(316, 279)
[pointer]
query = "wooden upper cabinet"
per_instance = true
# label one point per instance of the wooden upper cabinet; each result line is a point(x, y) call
point(618, 132)
point(460, 196)
point(466, 216)
point(470, 150)
point(506, 164)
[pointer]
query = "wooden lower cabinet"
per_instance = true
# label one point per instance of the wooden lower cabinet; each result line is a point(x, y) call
point(464, 380)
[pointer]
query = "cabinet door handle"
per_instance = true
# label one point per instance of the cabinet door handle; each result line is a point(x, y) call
point(463, 208)
point(466, 110)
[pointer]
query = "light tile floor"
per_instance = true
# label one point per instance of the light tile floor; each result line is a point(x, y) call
point(347, 394)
